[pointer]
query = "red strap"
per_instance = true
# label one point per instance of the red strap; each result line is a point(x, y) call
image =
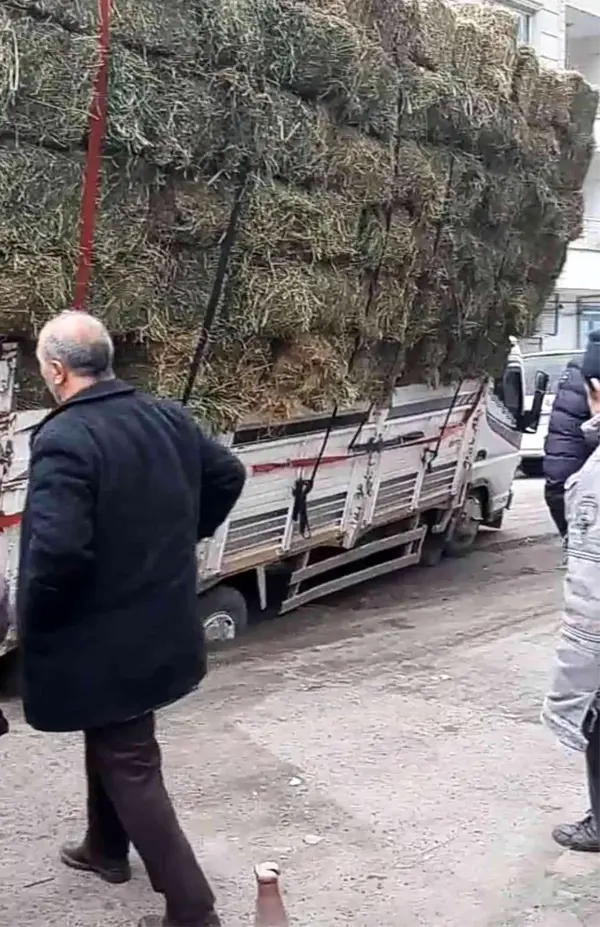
point(92, 179)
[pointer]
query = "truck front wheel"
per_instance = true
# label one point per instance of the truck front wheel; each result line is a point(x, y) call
point(223, 613)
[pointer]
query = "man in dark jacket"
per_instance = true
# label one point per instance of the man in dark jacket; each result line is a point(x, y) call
point(122, 486)
point(566, 448)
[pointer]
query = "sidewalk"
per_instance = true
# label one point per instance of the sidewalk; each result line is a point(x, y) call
point(527, 520)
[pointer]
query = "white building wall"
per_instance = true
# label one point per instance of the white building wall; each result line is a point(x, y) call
point(548, 32)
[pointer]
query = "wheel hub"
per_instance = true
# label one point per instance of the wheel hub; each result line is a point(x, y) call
point(219, 627)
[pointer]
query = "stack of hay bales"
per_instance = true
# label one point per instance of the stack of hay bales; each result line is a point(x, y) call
point(411, 179)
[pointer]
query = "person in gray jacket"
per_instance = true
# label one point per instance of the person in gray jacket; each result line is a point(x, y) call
point(572, 706)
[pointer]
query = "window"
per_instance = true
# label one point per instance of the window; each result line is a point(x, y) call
point(524, 28)
point(590, 321)
point(552, 364)
point(524, 20)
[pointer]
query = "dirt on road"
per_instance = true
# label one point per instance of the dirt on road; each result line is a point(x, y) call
point(385, 748)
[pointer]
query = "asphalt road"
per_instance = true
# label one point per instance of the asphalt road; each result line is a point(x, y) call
point(383, 746)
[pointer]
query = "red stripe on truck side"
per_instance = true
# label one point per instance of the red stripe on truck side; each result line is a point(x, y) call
point(297, 463)
point(91, 180)
point(10, 521)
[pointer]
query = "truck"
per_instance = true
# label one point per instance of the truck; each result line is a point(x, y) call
point(329, 502)
point(554, 364)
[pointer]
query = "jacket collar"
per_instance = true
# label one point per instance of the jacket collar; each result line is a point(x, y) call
point(104, 389)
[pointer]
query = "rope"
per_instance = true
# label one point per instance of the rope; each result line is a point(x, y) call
point(215, 296)
point(433, 454)
point(92, 179)
point(303, 487)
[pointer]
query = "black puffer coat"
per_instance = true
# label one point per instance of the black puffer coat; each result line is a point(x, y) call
point(566, 449)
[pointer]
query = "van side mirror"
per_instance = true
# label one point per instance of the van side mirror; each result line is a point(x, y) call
point(513, 391)
point(531, 418)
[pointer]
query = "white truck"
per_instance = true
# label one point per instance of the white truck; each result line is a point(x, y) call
point(554, 364)
point(328, 502)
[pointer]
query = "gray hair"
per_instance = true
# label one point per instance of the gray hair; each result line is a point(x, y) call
point(81, 343)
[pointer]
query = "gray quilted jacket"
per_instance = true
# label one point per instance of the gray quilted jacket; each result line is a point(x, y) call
point(575, 686)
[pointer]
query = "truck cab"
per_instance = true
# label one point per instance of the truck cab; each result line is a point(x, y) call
point(553, 363)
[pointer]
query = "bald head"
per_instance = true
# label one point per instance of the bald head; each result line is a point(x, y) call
point(74, 351)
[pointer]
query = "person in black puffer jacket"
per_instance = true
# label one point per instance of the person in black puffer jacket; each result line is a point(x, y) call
point(566, 449)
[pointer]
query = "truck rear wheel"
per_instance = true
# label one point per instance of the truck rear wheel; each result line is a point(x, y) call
point(465, 528)
point(223, 613)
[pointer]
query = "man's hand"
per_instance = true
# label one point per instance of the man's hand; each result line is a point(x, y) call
point(593, 394)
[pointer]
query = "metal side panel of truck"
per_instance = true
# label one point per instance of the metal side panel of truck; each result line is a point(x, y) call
point(381, 483)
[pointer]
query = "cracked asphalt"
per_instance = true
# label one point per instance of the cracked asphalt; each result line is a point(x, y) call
point(383, 746)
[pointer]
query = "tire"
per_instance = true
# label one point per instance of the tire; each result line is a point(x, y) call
point(432, 550)
point(223, 614)
point(465, 529)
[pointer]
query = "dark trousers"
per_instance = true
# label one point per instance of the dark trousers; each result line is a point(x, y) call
point(554, 494)
point(128, 801)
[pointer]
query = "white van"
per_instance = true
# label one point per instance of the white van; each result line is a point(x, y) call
point(553, 363)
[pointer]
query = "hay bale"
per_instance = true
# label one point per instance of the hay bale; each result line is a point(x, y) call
point(573, 162)
point(525, 78)
point(284, 299)
point(147, 24)
point(387, 241)
point(281, 221)
point(434, 38)
point(540, 151)
point(469, 43)
point(392, 316)
point(497, 29)
point(550, 100)
point(33, 288)
point(582, 104)
point(372, 98)
point(501, 198)
point(322, 56)
point(47, 77)
point(154, 110)
point(357, 165)
point(418, 186)
point(394, 25)
point(231, 33)
point(229, 386)
point(443, 111)
point(545, 258)
point(308, 375)
point(188, 209)
point(300, 142)
point(467, 181)
point(308, 51)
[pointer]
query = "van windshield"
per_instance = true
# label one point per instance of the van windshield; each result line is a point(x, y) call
point(552, 364)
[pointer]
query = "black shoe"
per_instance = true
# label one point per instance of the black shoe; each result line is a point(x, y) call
point(111, 870)
point(582, 836)
point(211, 919)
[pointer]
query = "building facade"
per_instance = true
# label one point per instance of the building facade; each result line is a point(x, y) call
point(566, 33)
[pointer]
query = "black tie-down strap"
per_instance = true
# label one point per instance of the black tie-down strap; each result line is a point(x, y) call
point(215, 295)
point(303, 487)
